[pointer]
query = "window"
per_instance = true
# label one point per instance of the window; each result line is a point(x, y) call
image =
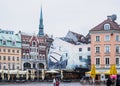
point(97, 61)
point(13, 51)
point(17, 51)
point(97, 49)
point(8, 58)
point(4, 67)
point(88, 48)
point(33, 44)
point(13, 66)
point(4, 57)
point(13, 43)
point(4, 50)
point(107, 37)
point(17, 58)
point(13, 58)
point(107, 61)
point(117, 49)
point(4, 42)
point(117, 61)
point(17, 67)
point(80, 57)
point(107, 48)
point(80, 49)
point(97, 38)
point(0, 65)
point(117, 38)
point(8, 65)
point(107, 26)
point(8, 50)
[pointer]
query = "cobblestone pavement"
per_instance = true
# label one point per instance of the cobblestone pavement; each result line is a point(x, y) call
point(45, 84)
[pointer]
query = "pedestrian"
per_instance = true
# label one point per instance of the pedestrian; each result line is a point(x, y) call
point(118, 81)
point(54, 82)
point(57, 82)
point(109, 82)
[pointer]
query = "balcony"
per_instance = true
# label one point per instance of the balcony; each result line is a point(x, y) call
point(107, 66)
point(42, 47)
point(27, 45)
point(117, 53)
point(107, 53)
point(98, 66)
point(117, 65)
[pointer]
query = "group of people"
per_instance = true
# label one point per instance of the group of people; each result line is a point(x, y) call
point(113, 81)
point(56, 82)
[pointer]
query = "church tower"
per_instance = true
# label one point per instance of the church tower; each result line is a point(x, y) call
point(41, 26)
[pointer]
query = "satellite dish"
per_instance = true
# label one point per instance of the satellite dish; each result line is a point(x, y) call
point(113, 17)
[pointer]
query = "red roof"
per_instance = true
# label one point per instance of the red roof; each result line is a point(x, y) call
point(113, 25)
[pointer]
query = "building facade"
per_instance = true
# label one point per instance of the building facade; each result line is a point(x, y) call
point(10, 50)
point(33, 52)
point(69, 52)
point(105, 44)
point(35, 48)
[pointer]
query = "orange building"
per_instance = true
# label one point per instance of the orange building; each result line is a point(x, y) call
point(105, 44)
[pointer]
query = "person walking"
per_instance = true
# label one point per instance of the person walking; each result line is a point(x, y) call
point(54, 82)
point(109, 82)
point(57, 82)
point(118, 81)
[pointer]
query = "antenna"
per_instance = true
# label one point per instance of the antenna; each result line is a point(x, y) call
point(113, 17)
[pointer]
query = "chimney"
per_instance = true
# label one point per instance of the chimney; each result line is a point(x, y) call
point(109, 17)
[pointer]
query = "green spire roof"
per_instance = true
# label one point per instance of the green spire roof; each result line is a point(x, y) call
point(41, 26)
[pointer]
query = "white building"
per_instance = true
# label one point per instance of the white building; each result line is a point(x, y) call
point(66, 53)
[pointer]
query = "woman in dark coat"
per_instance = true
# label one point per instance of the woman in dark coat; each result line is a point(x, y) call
point(109, 82)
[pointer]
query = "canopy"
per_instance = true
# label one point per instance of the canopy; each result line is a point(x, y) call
point(108, 72)
point(113, 70)
point(13, 71)
point(89, 72)
point(93, 71)
point(52, 71)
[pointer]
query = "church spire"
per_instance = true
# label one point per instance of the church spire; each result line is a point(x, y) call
point(41, 26)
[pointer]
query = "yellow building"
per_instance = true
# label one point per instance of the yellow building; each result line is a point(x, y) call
point(10, 50)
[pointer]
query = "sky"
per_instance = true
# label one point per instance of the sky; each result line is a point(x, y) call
point(59, 16)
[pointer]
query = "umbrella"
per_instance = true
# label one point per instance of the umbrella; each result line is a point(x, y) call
point(113, 70)
point(33, 74)
point(2, 75)
point(17, 74)
point(43, 74)
point(8, 75)
point(27, 75)
point(93, 71)
point(61, 74)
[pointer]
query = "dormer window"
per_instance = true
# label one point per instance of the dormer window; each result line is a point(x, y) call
point(107, 26)
point(13, 43)
point(4, 42)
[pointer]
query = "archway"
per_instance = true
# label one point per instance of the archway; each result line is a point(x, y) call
point(40, 66)
point(27, 65)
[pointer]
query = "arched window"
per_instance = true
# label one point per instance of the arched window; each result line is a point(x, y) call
point(33, 44)
point(107, 26)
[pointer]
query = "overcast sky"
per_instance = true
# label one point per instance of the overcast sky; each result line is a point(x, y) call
point(59, 16)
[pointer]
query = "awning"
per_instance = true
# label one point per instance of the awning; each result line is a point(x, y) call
point(89, 72)
point(13, 71)
point(108, 72)
point(51, 71)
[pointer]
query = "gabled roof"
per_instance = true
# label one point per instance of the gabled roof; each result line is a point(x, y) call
point(113, 25)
